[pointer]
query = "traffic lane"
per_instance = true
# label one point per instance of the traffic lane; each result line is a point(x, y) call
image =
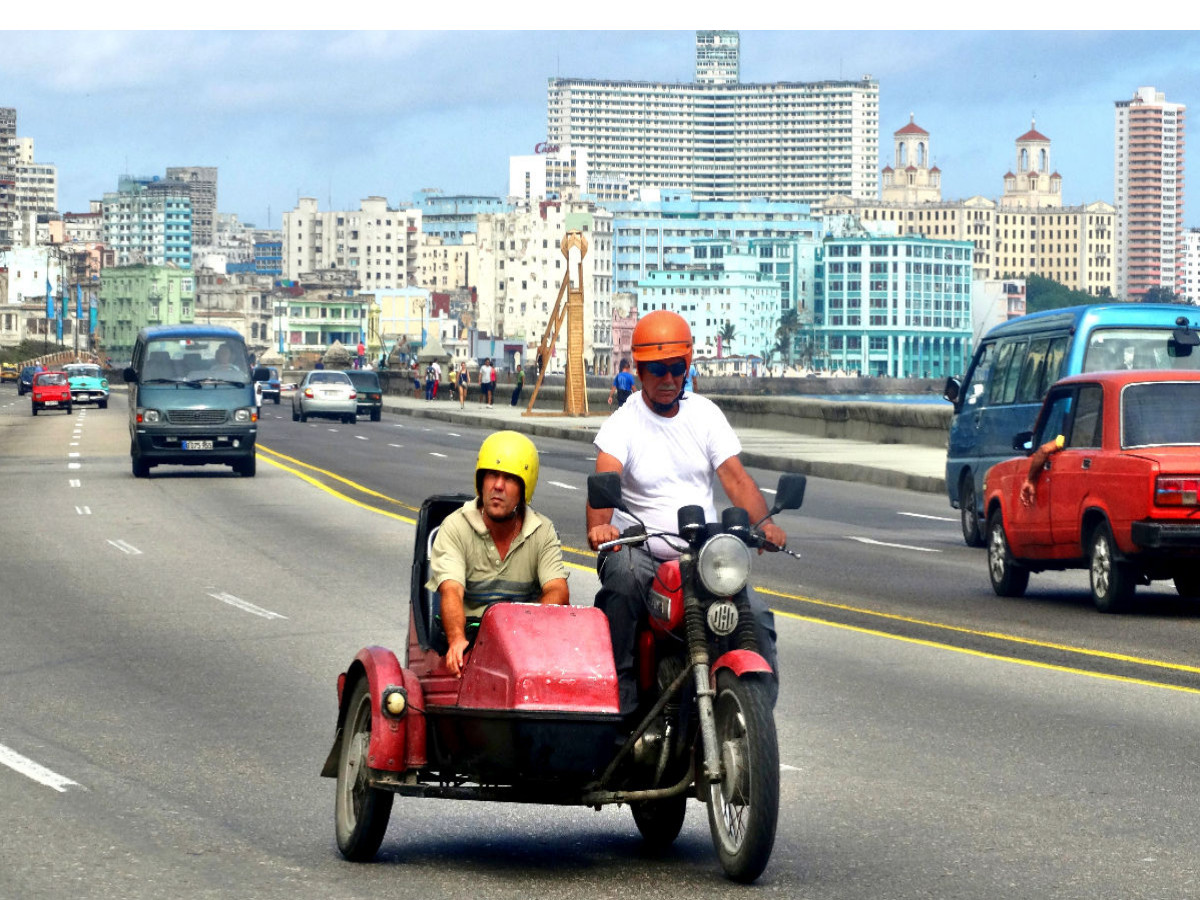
point(875, 557)
point(931, 772)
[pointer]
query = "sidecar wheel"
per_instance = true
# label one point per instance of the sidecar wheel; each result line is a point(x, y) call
point(743, 806)
point(659, 821)
point(360, 811)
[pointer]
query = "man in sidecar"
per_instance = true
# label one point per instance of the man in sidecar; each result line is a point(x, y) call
point(667, 447)
point(495, 548)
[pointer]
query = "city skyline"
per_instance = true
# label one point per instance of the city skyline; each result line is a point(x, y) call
point(340, 116)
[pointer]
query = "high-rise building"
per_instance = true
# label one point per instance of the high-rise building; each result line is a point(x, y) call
point(144, 227)
point(721, 139)
point(8, 174)
point(376, 244)
point(36, 183)
point(1149, 193)
point(201, 185)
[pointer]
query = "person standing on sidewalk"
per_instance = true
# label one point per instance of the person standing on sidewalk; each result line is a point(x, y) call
point(622, 385)
point(516, 394)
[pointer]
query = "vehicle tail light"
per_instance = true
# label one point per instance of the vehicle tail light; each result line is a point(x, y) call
point(1177, 490)
point(354, 395)
point(308, 392)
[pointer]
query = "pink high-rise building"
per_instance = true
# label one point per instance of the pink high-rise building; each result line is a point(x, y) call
point(1149, 194)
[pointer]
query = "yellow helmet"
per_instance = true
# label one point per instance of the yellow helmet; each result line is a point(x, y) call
point(512, 453)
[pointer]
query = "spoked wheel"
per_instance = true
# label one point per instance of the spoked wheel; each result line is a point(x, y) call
point(971, 533)
point(743, 806)
point(659, 821)
point(360, 811)
point(1008, 578)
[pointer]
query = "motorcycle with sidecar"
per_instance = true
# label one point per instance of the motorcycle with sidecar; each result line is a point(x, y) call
point(535, 718)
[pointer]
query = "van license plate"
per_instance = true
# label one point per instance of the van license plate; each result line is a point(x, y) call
point(197, 445)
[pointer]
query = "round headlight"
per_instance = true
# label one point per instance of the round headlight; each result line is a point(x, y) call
point(148, 415)
point(241, 415)
point(724, 565)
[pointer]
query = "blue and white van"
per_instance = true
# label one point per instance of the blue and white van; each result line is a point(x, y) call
point(191, 399)
point(1016, 363)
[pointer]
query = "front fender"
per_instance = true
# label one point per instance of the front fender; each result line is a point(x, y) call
point(396, 744)
point(739, 662)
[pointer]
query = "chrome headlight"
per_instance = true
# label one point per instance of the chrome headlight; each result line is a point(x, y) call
point(148, 416)
point(242, 415)
point(724, 565)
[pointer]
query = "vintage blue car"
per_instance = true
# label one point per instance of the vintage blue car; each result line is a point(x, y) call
point(88, 384)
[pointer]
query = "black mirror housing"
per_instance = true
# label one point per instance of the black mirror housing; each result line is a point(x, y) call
point(1023, 442)
point(953, 389)
point(129, 374)
point(790, 492)
point(604, 491)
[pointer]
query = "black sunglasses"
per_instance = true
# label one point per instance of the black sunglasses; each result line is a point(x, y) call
point(658, 369)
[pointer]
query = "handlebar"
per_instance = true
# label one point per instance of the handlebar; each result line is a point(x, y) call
point(634, 535)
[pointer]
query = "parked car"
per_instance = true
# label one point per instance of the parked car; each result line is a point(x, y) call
point(50, 390)
point(8, 372)
point(370, 394)
point(1121, 497)
point(25, 379)
point(88, 384)
point(327, 393)
point(271, 387)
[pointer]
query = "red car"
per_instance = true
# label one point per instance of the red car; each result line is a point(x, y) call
point(1120, 498)
point(50, 390)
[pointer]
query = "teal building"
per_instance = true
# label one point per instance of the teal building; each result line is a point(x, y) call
point(896, 306)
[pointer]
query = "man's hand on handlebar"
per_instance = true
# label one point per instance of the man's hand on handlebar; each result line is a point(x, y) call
point(599, 534)
point(775, 536)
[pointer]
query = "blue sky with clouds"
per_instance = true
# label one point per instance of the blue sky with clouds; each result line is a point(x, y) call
point(341, 115)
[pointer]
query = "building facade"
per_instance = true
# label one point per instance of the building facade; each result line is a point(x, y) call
point(1148, 187)
point(8, 174)
point(893, 306)
point(134, 297)
point(721, 139)
point(200, 184)
point(376, 244)
point(1026, 232)
point(36, 183)
point(145, 228)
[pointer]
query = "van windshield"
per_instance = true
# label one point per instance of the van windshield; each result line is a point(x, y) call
point(216, 359)
point(1138, 348)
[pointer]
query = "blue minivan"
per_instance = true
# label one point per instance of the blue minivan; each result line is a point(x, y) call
point(191, 399)
point(1016, 363)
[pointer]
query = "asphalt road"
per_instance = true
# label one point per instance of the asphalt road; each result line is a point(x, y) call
point(169, 649)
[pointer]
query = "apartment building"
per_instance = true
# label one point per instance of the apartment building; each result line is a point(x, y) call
point(521, 270)
point(145, 227)
point(722, 139)
point(8, 174)
point(200, 183)
point(1148, 187)
point(376, 244)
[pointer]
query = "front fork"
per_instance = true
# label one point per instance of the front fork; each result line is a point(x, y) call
point(697, 642)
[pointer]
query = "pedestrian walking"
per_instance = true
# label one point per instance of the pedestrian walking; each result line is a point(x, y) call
point(487, 382)
point(430, 382)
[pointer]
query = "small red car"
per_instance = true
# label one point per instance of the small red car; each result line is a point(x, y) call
point(1120, 498)
point(50, 390)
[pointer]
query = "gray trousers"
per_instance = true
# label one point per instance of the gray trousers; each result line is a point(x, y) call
point(625, 580)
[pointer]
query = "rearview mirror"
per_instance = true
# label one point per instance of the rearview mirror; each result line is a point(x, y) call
point(262, 373)
point(952, 390)
point(790, 492)
point(129, 374)
point(1023, 442)
point(604, 491)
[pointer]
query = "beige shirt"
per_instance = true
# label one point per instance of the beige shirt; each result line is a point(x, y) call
point(464, 551)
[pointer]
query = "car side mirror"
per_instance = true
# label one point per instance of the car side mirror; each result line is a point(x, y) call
point(953, 389)
point(1023, 442)
point(130, 375)
point(262, 373)
point(604, 491)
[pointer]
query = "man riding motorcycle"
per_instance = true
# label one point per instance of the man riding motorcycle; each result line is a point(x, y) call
point(495, 548)
point(667, 446)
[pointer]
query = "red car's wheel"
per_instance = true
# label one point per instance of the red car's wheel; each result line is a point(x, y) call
point(1113, 581)
point(1009, 578)
point(360, 811)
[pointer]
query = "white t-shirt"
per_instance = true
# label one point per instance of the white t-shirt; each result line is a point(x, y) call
point(667, 462)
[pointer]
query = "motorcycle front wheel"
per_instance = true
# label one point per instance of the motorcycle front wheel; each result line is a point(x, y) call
point(743, 806)
point(361, 812)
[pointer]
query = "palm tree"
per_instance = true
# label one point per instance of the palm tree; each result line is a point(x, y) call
point(728, 334)
point(789, 327)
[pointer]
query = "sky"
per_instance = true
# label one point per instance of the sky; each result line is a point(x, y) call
point(345, 114)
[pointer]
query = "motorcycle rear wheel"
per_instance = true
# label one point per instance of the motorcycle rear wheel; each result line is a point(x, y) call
point(743, 807)
point(361, 812)
point(659, 821)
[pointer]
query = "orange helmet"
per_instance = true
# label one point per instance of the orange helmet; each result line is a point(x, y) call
point(662, 334)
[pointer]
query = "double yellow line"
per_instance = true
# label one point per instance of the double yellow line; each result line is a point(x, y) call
point(294, 466)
